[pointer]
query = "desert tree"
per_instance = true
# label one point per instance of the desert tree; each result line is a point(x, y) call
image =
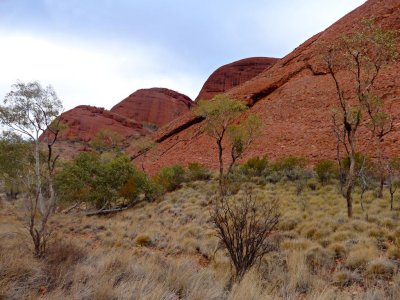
point(393, 171)
point(221, 122)
point(106, 140)
point(241, 136)
point(32, 110)
point(15, 158)
point(243, 226)
point(362, 55)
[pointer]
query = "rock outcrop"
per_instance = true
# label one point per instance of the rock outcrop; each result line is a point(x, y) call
point(139, 115)
point(83, 122)
point(294, 98)
point(234, 74)
point(156, 106)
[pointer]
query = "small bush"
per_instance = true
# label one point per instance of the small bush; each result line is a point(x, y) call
point(143, 240)
point(318, 258)
point(360, 258)
point(171, 178)
point(338, 249)
point(100, 179)
point(312, 184)
point(291, 168)
point(256, 167)
point(198, 172)
point(380, 268)
point(393, 253)
point(60, 259)
point(346, 278)
point(152, 190)
point(325, 170)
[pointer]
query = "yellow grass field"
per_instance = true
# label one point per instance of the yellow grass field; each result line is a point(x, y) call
point(169, 250)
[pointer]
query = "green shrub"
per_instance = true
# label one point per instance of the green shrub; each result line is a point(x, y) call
point(197, 172)
point(152, 190)
point(171, 178)
point(100, 179)
point(325, 170)
point(256, 166)
point(291, 168)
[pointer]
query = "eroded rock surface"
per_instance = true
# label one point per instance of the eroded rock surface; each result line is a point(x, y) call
point(157, 106)
point(294, 98)
point(234, 74)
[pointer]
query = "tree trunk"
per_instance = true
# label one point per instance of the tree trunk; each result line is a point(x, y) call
point(350, 186)
point(42, 206)
point(221, 168)
point(381, 184)
point(391, 200)
point(391, 191)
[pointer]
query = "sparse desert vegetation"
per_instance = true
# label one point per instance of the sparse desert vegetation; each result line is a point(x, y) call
point(112, 223)
point(168, 249)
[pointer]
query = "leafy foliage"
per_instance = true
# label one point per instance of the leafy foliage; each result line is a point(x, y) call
point(197, 172)
point(171, 178)
point(220, 113)
point(15, 158)
point(106, 140)
point(101, 180)
point(256, 166)
point(290, 167)
point(326, 170)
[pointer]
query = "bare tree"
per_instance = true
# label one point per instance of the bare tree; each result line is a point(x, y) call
point(243, 226)
point(31, 110)
point(363, 55)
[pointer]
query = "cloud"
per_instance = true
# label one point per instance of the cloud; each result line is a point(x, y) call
point(88, 72)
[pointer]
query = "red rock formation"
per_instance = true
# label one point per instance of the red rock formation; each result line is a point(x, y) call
point(294, 99)
point(84, 122)
point(156, 106)
point(234, 74)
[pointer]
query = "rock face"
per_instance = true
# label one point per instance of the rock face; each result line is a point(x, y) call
point(84, 122)
point(234, 74)
point(294, 98)
point(138, 115)
point(156, 106)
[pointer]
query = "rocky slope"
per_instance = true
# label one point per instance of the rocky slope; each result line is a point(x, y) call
point(294, 99)
point(82, 123)
point(156, 106)
point(234, 74)
point(138, 115)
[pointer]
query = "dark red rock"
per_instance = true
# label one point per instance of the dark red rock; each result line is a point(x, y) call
point(156, 106)
point(234, 74)
point(83, 122)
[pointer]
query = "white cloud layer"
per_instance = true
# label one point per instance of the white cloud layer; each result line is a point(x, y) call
point(98, 52)
point(83, 73)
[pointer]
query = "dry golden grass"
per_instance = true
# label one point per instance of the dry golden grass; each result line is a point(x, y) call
point(168, 250)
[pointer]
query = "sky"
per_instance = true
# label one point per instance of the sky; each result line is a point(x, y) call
point(97, 52)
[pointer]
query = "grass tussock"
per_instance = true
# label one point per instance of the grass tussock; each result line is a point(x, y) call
point(167, 249)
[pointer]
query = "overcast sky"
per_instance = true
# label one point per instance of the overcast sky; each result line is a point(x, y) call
point(98, 52)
